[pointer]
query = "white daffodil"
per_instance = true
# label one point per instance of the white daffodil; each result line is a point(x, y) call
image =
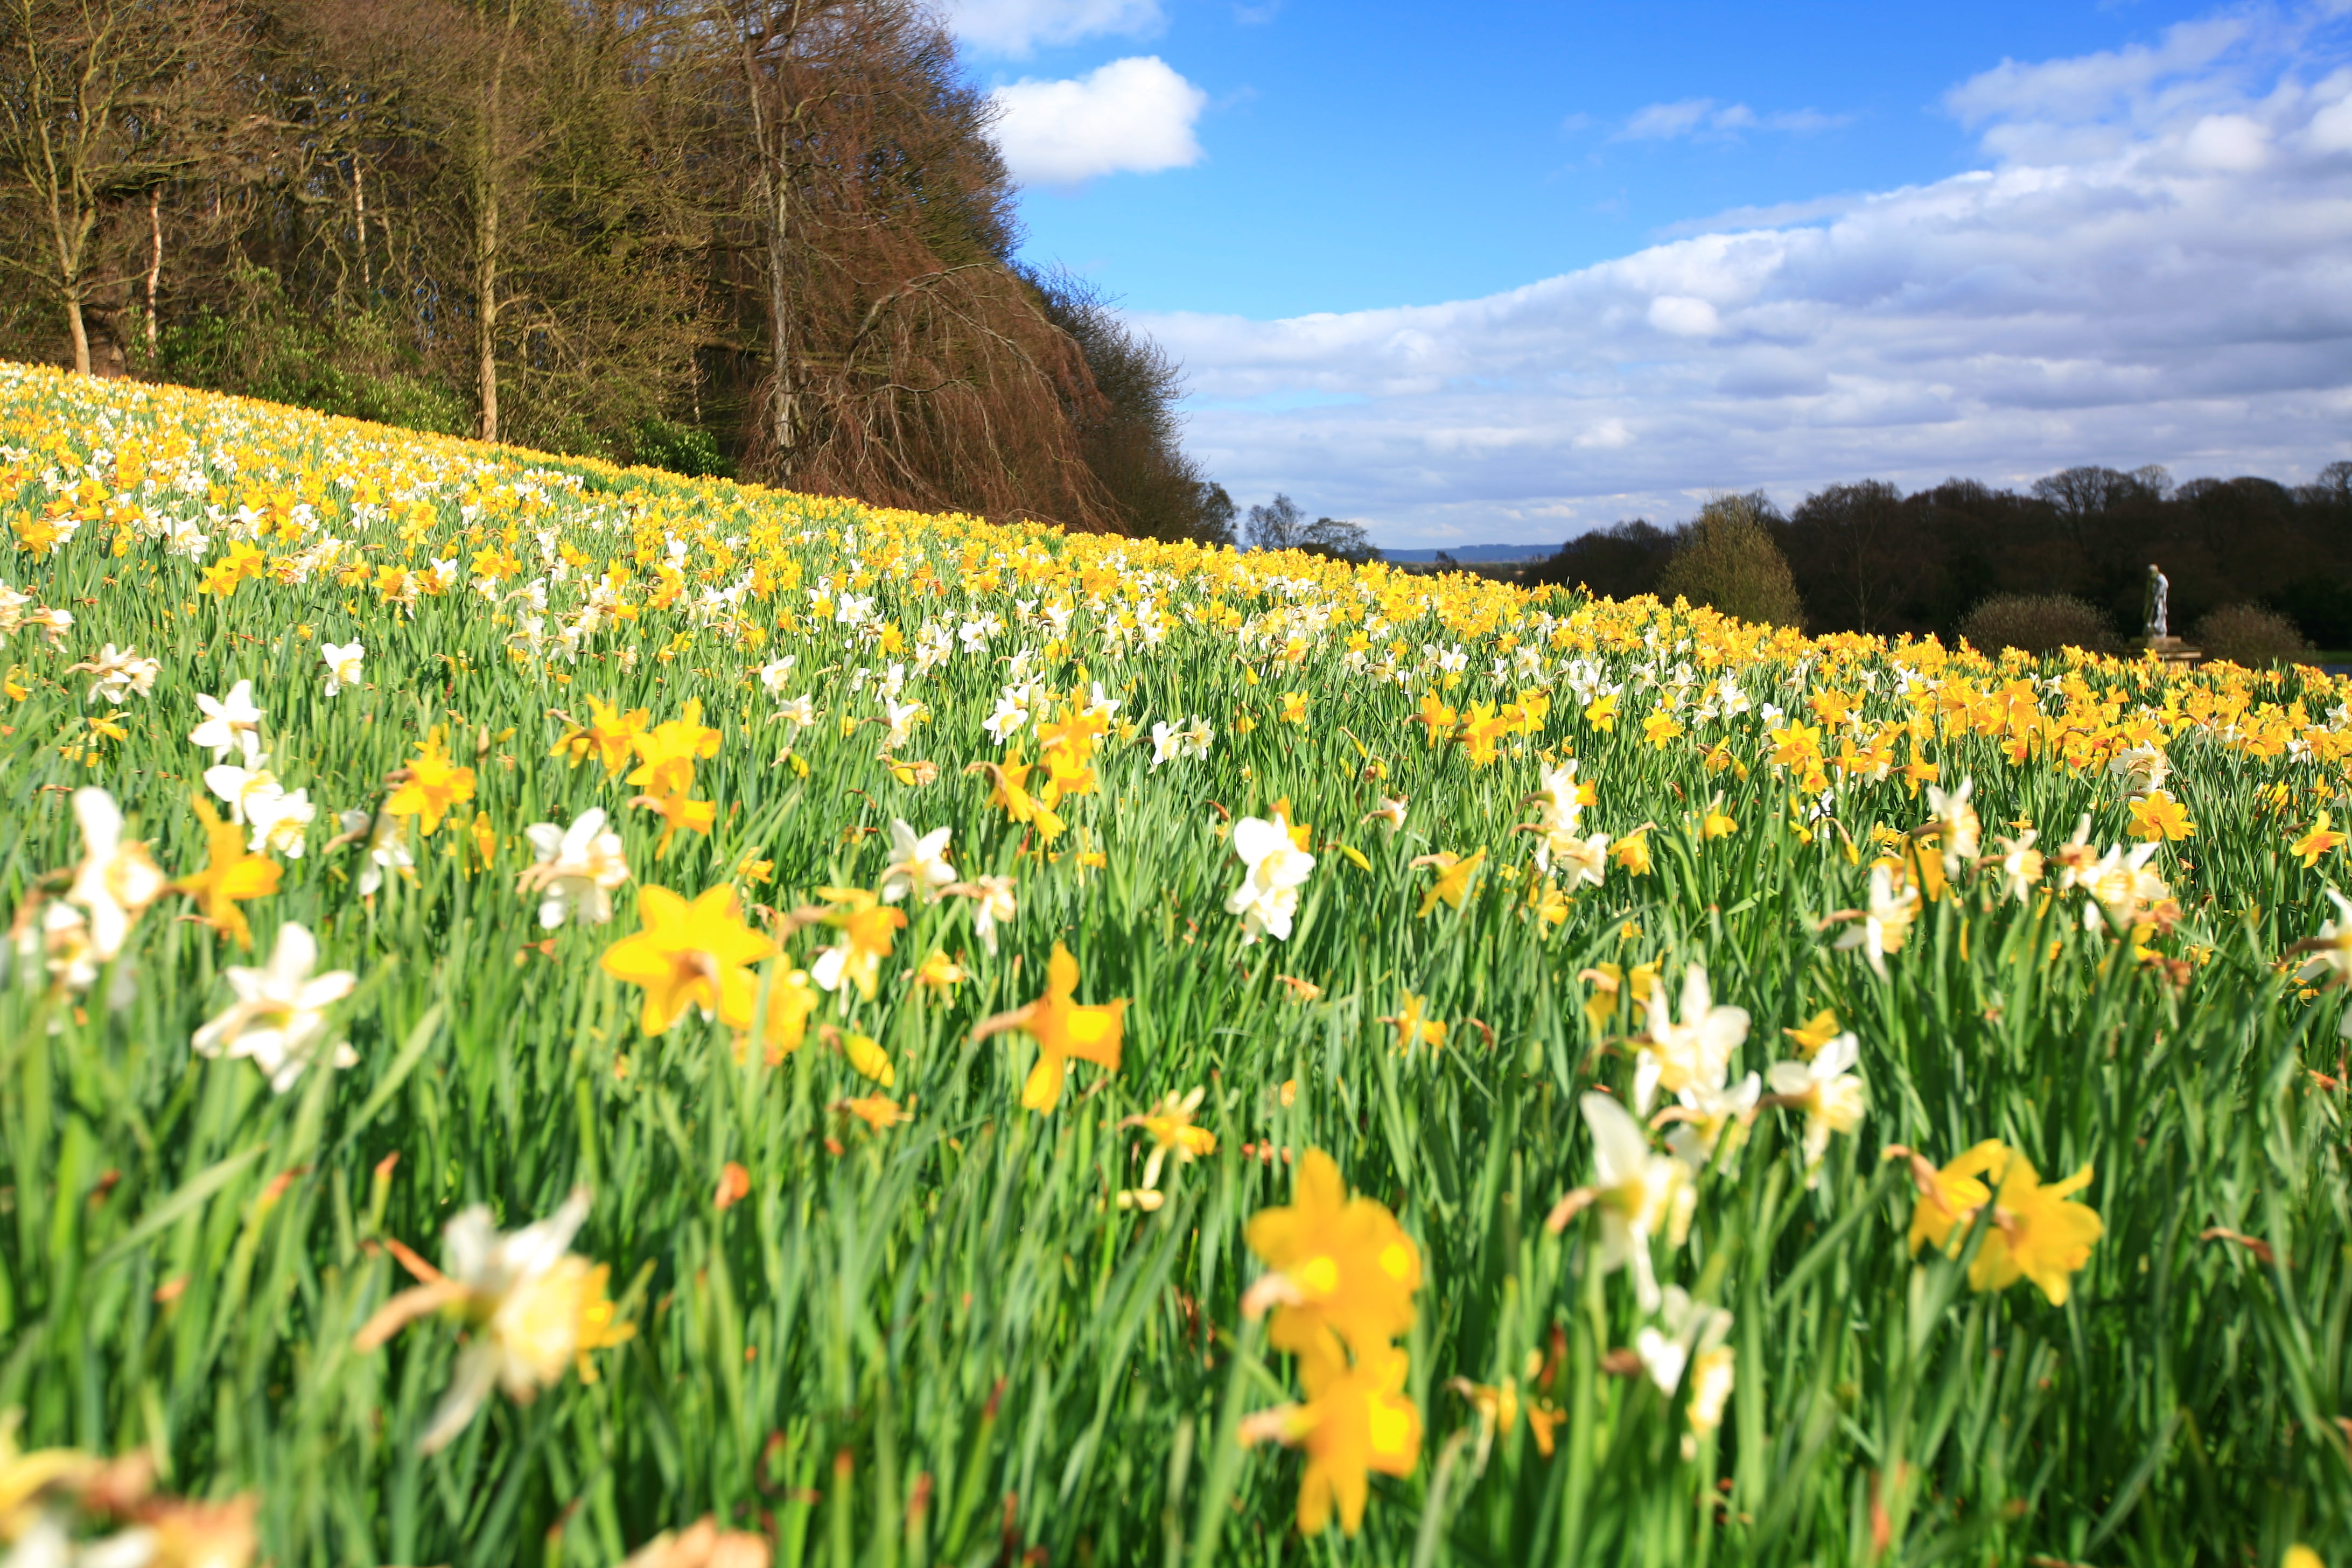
point(532, 1307)
point(1830, 1096)
point(226, 717)
point(2141, 769)
point(901, 719)
point(1707, 1114)
point(918, 863)
point(241, 786)
point(1390, 812)
point(1195, 740)
point(992, 905)
point(1956, 825)
point(343, 661)
point(1692, 1339)
point(279, 1018)
point(1695, 1052)
point(1638, 1191)
point(800, 712)
point(1884, 924)
point(386, 846)
point(116, 674)
point(1274, 868)
point(115, 881)
point(1558, 805)
point(2021, 866)
point(578, 868)
point(1165, 741)
point(1011, 717)
point(2122, 887)
point(280, 820)
point(775, 672)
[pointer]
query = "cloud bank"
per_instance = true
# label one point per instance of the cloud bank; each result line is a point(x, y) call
point(1016, 27)
point(2156, 265)
point(1131, 116)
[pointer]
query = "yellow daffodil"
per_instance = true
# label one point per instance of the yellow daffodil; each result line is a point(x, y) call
point(690, 954)
point(231, 875)
point(433, 784)
point(2319, 841)
point(2158, 816)
point(1062, 1029)
point(2035, 1232)
point(1337, 1266)
point(1413, 1028)
point(1454, 877)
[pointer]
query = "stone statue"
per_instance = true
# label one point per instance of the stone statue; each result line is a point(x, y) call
point(2160, 601)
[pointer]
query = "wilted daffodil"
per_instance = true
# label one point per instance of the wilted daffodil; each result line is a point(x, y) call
point(1062, 1029)
point(532, 1307)
point(2035, 1233)
point(690, 954)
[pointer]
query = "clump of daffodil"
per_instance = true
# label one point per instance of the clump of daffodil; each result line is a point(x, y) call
point(664, 772)
point(430, 786)
point(532, 1310)
point(2034, 1232)
point(1342, 1273)
point(695, 954)
point(1063, 1029)
point(1173, 1132)
point(1275, 865)
point(610, 737)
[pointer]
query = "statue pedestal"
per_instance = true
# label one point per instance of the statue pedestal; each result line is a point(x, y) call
point(2170, 651)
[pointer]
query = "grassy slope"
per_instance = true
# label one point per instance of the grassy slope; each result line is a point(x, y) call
point(943, 1343)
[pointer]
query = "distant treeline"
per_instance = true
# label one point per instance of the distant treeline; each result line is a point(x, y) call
point(1866, 557)
point(771, 237)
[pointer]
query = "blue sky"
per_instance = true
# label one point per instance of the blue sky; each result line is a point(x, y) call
point(1541, 266)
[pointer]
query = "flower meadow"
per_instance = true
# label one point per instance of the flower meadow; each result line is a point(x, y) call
point(566, 1015)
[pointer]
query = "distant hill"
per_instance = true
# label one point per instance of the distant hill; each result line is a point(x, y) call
point(1467, 553)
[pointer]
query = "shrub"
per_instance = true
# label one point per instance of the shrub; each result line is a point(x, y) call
point(1729, 563)
point(2038, 624)
point(2250, 634)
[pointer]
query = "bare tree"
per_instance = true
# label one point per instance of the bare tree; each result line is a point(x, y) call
point(93, 97)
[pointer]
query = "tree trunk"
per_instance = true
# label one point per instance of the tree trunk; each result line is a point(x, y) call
point(154, 263)
point(80, 334)
point(485, 237)
point(359, 222)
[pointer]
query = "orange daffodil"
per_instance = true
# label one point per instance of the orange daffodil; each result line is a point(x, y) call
point(1063, 1028)
point(1341, 1278)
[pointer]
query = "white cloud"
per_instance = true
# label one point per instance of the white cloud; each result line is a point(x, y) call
point(2177, 289)
point(1705, 117)
point(1131, 116)
point(1015, 28)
